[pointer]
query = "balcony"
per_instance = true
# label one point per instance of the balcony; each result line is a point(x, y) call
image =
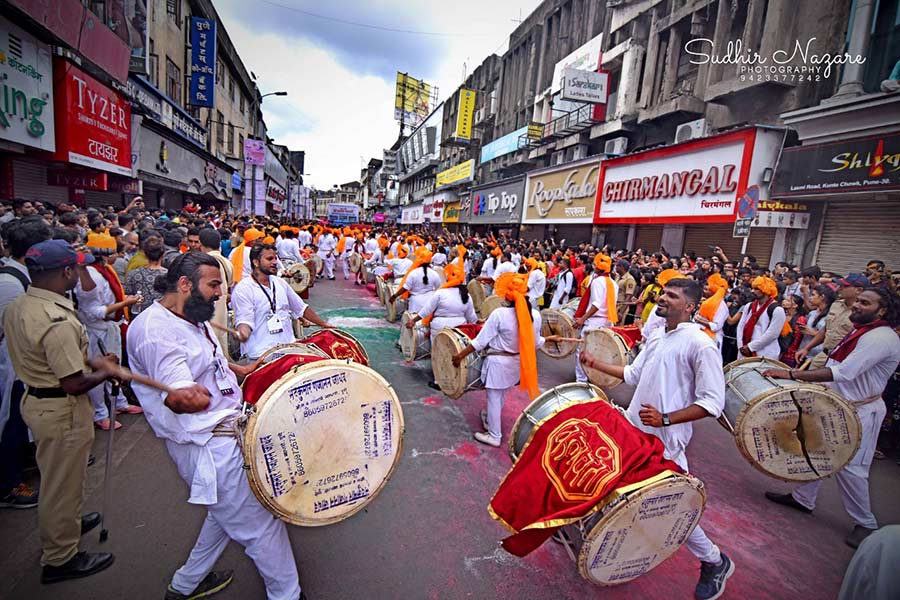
point(686, 105)
point(569, 124)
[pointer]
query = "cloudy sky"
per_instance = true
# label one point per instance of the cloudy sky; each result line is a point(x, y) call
point(338, 62)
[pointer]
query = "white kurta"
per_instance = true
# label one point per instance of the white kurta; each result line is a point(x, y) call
point(10, 289)
point(448, 309)
point(253, 307)
point(597, 290)
point(501, 333)
point(506, 267)
point(537, 285)
point(488, 267)
point(718, 322)
point(371, 245)
point(439, 260)
point(305, 238)
point(399, 266)
point(419, 291)
point(764, 340)
point(288, 249)
point(654, 322)
point(565, 283)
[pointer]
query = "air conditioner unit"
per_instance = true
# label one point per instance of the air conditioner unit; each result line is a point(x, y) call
point(557, 158)
point(691, 131)
point(581, 151)
point(479, 115)
point(617, 145)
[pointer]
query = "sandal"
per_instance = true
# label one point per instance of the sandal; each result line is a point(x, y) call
point(879, 455)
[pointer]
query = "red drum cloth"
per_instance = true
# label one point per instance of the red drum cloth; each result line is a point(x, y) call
point(371, 287)
point(257, 382)
point(572, 462)
point(630, 333)
point(470, 329)
point(336, 345)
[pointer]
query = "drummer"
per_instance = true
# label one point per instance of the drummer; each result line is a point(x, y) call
point(400, 263)
point(264, 305)
point(858, 368)
point(679, 379)
point(762, 322)
point(713, 311)
point(420, 284)
point(344, 250)
point(511, 335)
point(490, 265)
point(597, 308)
point(360, 249)
point(171, 342)
point(565, 283)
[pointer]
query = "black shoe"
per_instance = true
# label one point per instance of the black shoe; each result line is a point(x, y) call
point(331, 279)
point(80, 565)
point(214, 582)
point(787, 500)
point(89, 521)
point(858, 534)
point(91, 459)
point(713, 578)
point(433, 385)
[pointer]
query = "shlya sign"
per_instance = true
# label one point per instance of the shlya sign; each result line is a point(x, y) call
point(585, 86)
point(203, 62)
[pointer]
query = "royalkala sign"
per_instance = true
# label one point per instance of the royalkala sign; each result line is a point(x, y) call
point(563, 194)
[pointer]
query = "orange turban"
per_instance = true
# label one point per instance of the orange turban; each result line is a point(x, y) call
point(603, 263)
point(514, 287)
point(103, 243)
point(402, 251)
point(383, 242)
point(668, 275)
point(268, 240)
point(496, 251)
point(284, 228)
point(252, 234)
point(710, 306)
point(766, 286)
point(423, 257)
point(531, 264)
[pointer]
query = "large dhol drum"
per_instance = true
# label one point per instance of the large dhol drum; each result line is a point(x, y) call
point(234, 346)
point(276, 352)
point(415, 343)
point(635, 531)
point(491, 303)
point(298, 277)
point(380, 287)
point(318, 263)
point(478, 291)
point(545, 406)
point(396, 308)
point(456, 381)
point(786, 429)
point(613, 346)
point(559, 321)
point(337, 343)
point(355, 262)
point(322, 441)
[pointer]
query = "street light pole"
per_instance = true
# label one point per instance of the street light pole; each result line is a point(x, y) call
point(256, 104)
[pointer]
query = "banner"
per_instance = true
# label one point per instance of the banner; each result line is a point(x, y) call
point(255, 152)
point(451, 213)
point(585, 86)
point(499, 202)
point(202, 88)
point(465, 111)
point(573, 461)
point(26, 115)
point(503, 145)
point(462, 172)
point(342, 214)
point(412, 101)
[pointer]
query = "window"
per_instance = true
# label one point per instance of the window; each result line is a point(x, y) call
point(230, 149)
point(220, 130)
point(240, 151)
point(231, 89)
point(173, 81)
point(243, 104)
point(154, 65)
point(173, 9)
point(221, 73)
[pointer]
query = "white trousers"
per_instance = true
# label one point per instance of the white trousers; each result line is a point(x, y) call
point(495, 400)
point(698, 543)
point(112, 342)
point(236, 515)
point(853, 480)
point(580, 375)
point(345, 266)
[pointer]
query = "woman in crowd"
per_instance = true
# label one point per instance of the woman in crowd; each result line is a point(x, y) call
point(139, 282)
point(792, 335)
point(821, 298)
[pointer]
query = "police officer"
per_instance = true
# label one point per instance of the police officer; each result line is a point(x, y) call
point(48, 348)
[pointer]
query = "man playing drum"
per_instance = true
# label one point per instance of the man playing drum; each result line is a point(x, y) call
point(761, 322)
point(858, 368)
point(679, 379)
point(264, 305)
point(419, 282)
point(597, 308)
point(172, 343)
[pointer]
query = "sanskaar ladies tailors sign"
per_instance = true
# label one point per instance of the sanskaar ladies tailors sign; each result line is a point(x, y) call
point(693, 182)
point(93, 122)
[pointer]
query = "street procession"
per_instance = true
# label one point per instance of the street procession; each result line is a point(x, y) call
point(608, 305)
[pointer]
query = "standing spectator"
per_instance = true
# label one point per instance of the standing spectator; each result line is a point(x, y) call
point(820, 300)
point(792, 335)
point(139, 282)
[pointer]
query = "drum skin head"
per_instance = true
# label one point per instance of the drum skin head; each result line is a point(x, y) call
point(476, 291)
point(322, 442)
point(276, 352)
point(412, 344)
point(556, 322)
point(491, 303)
point(637, 531)
point(607, 347)
point(452, 380)
point(298, 277)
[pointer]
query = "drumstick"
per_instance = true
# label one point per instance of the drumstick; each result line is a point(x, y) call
point(222, 328)
point(805, 364)
point(124, 374)
point(568, 339)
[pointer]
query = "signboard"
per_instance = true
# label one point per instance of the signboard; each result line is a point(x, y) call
point(585, 86)
point(451, 212)
point(26, 72)
point(499, 202)
point(342, 214)
point(782, 219)
point(164, 111)
point(462, 172)
point(585, 58)
point(255, 152)
point(412, 102)
point(694, 182)
point(564, 194)
point(93, 123)
point(465, 111)
point(82, 180)
point(202, 88)
point(412, 214)
point(378, 218)
point(128, 20)
point(439, 203)
point(535, 131)
point(742, 228)
point(503, 145)
point(870, 164)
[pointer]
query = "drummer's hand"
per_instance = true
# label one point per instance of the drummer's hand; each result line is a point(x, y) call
point(745, 351)
point(586, 358)
point(579, 323)
point(457, 360)
point(552, 338)
point(410, 324)
point(776, 374)
point(191, 399)
point(243, 332)
point(650, 416)
point(106, 364)
point(800, 357)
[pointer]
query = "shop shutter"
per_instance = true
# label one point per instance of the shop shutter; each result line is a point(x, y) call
point(98, 199)
point(574, 234)
point(30, 183)
point(698, 238)
point(855, 233)
point(648, 237)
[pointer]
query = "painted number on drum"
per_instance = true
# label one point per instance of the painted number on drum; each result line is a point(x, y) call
point(377, 429)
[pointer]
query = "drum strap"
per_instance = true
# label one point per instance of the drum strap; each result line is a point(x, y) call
point(500, 353)
point(868, 400)
point(233, 428)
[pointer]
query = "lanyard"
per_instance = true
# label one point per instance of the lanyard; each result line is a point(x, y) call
point(271, 299)
point(203, 327)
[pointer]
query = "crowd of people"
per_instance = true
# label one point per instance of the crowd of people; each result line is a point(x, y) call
point(108, 287)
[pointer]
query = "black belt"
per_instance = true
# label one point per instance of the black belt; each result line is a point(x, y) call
point(55, 392)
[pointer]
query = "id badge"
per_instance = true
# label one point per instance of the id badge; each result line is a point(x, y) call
point(274, 325)
point(222, 380)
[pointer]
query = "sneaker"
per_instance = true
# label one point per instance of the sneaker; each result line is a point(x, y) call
point(858, 534)
point(486, 438)
point(214, 582)
point(713, 578)
point(787, 500)
point(484, 420)
point(21, 496)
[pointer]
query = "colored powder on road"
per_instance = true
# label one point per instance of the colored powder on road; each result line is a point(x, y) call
point(361, 323)
point(432, 401)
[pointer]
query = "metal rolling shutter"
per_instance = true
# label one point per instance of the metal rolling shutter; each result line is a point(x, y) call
point(855, 233)
point(648, 237)
point(698, 238)
point(98, 199)
point(30, 183)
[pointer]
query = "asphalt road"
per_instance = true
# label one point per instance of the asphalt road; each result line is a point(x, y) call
point(428, 534)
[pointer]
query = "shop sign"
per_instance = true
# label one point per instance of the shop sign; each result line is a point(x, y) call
point(742, 228)
point(504, 145)
point(461, 173)
point(342, 214)
point(93, 121)
point(125, 185)
point(255, 152)
point(535, 131)
point(378, 218)
point(275, 193)
point(426, 209)
point(585, 58)
point(870, 164)
point(585, 86)
point(696, 182)
point(499, 202)
point(412, 214)
point(563, 194)
point(451, 213)
point(237, 182)
point(202, 87)
point(465, 111)
point(26, 85)
point(82, 180)
point(439, 204)
point(465, 208)
point(164, 111)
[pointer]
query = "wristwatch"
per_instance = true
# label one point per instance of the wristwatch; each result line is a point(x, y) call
point(665, 420)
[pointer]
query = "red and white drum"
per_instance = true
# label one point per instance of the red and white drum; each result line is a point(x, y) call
point(456, 381)
point(415, 343)
point(337, 343)
point(613, 346)
point(322, 441)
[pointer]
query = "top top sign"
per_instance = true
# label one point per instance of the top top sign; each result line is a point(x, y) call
point(585, 86)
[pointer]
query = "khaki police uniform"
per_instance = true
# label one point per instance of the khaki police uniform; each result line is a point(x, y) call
point(837, 326)
point(47, 342)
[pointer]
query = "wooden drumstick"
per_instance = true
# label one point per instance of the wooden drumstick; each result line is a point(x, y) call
point(805, 364)
point(127, 375)
point(568, 339)
point(233, 332)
